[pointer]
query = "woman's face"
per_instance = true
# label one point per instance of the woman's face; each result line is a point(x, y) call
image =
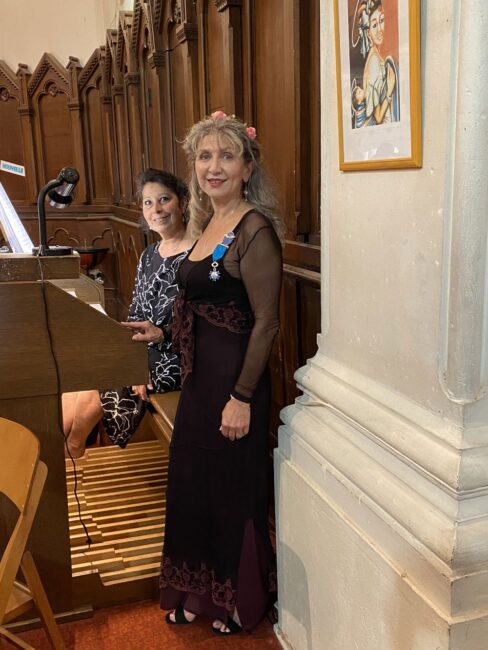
point(377, 26)
point(162, 210)
point(220, 169)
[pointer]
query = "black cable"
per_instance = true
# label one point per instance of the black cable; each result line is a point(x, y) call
point(89, 540)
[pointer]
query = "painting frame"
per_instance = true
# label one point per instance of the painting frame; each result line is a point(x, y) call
point(367, 139)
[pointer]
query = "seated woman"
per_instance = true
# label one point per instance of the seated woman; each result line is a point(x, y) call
point(164, 199)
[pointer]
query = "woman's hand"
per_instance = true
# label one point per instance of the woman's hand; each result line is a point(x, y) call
point(145, 331)
point(236, 417)
point(141, 391)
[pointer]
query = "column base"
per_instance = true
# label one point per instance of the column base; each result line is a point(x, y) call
point(338, 590)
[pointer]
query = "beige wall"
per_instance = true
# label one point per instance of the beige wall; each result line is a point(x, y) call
point(388, 444)
point(385, 241)
point(30, 28)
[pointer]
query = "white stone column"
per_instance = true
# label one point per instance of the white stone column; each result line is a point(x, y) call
point(382, 464)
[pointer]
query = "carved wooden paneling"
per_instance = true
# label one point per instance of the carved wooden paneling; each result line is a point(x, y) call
point(150, 61)
point(27, 122)
point(11, 144)
point(183, 64)
point(108, 102)
point(49, 92)
point(247, 62)
point(275, 121)
point(125, 241)
point(122, 236)
point(284, 50)
point(121, 142)
point(94, 97)
point(176, 65)
point(128, 246)
point(54, 131)
point(231, 11)
point(152, 73)
point(132, 97)
point(99, 180)
point(274, 90)
point(180, 115)
point(146, 106)
point(168, 63)
point(220, 48)
point(122, 173)
point(75, 107)
point(216, 86)
point(307, 71)
point(187, 49)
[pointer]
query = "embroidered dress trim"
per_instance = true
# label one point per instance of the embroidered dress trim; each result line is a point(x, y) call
point(198, 582)
point(202, 581)
point(228, 316)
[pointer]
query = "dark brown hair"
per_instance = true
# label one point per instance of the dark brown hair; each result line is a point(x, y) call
point(169, 180)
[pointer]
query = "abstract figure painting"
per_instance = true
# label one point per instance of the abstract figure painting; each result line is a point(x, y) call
point(378, 83)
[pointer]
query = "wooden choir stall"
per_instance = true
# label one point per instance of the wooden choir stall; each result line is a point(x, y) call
point(53, 342)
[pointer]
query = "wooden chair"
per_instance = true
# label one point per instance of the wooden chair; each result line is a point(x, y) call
point(22, 477)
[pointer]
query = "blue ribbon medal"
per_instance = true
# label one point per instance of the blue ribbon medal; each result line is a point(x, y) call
point(218, 253)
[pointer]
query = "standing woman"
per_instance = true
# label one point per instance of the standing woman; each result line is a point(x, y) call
point(164, 199)
point(217, 557)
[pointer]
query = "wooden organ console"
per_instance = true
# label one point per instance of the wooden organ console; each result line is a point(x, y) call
point(121, 492)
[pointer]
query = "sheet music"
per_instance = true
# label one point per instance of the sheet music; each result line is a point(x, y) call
point(98, 307)
point(14, 230)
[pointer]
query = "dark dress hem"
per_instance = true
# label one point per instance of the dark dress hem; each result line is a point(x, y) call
point(198, 593)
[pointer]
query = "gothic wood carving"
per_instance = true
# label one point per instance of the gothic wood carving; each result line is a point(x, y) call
point(8, 81)
point(97, 132)
point(11, 140)
point(220, 54)
point(222, 5)
point(167, 64)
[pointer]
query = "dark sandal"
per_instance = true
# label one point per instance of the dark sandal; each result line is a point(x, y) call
point(233, 627)
point(180, 618)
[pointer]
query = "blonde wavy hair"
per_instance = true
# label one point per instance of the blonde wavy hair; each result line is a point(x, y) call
point(260, 195)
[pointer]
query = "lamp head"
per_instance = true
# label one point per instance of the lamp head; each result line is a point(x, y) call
point(61, 196)
point(59, 191)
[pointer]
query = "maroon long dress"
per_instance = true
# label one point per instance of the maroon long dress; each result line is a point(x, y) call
point(217, 553)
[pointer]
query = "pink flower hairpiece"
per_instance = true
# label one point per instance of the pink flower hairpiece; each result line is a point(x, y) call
point(220, 115)
point(251, 132)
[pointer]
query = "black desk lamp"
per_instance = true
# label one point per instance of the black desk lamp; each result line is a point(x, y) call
point(59, 191)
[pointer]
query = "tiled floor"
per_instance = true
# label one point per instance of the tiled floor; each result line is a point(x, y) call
point(142, 627)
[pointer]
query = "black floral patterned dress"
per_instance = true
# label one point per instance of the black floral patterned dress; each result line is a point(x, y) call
point(154, 294)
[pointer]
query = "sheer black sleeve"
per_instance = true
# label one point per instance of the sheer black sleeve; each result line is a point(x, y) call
point(261, 271)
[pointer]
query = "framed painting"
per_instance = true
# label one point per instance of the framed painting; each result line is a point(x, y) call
point(378, 83)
